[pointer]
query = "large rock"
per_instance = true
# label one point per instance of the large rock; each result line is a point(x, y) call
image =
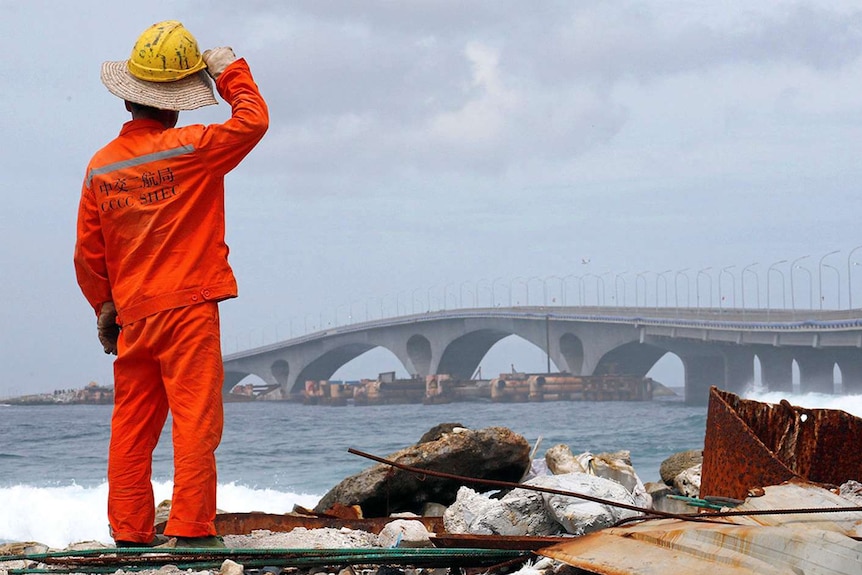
point(679, 462)
point(439, 431)
point(491, 453)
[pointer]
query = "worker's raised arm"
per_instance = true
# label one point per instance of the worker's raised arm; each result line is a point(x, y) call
point(225, 145)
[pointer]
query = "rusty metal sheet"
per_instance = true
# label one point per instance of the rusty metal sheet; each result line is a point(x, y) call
point(672, 546)
point(751, 444)
point(795, 495)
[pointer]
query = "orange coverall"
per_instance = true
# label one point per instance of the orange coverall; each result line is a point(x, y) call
point(150, 238)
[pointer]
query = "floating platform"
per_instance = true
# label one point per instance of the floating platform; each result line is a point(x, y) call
point(508, 388)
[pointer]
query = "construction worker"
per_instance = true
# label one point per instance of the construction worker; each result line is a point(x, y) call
point(151, 259)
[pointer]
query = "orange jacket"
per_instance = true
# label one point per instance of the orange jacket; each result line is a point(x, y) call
point(151, 217)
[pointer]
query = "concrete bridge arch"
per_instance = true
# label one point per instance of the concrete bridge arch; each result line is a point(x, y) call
point(716, 347)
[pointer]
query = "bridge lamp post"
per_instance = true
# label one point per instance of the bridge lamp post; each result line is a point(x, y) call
point(582, 289)
point(793, 266)
point(511, 289)
point(337, 308)
point(461, 294)
point(413, 300)
point(383, 308)
point(771, 269)
point(810, 286)
point(676, 277)
point(756, 283)
point(838, 283)
point(641, 276)
point(428, 296)
point(562, 287)
point(367, 301)
point(544, 289)
point(697, 285)
point(493, 296)
point(598, 293)
point(604, 293)
point(566, 288)
point(850, 277)
point(398, 303)
point(820, 276)
point(306, 322)
point(732, 285)
point(350, 314)
point(660, 276)
point(446, 293)
point(619, 277)
point(478, 284)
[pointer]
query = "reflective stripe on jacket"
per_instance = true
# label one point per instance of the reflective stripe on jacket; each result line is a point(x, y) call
point(151, 217)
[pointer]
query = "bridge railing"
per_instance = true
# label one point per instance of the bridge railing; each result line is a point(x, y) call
point(707, 292)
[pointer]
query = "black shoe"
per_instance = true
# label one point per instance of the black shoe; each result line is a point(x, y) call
point(158, 539)
point(208, 541)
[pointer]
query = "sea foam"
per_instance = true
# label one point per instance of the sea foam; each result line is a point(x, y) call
point(851, 404)
point(58, 516)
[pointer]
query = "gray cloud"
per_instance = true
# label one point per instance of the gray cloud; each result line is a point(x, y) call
point(438, 142)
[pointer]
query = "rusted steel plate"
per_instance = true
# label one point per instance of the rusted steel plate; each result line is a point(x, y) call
point(245, 523)
point(670, 546)
point(751, 444)
point(795, 495)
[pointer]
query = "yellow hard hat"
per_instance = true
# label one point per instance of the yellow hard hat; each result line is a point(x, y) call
point(165, 52)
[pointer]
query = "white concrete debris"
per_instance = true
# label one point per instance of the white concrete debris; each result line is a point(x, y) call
point(404, 533)
point(527, 512)
point(616, 466)
point(229, 567)
point(520, 512)
point(688, 482)
point(579, 516)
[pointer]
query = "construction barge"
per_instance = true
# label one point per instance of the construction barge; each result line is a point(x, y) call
point(507, 388)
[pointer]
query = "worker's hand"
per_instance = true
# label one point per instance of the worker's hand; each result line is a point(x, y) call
point(109, 331)
point(218, 59)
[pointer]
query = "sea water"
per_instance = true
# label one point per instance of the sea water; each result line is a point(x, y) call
point(275, 455)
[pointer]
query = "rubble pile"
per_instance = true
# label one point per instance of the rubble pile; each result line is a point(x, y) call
point(494, 453)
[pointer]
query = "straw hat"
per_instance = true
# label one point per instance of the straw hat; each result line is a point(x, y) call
point(165, 70)
point(189, 93)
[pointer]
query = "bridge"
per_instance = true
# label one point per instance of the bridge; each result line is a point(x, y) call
point(717, 346)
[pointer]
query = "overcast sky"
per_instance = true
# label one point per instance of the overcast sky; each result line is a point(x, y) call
point(420, 146)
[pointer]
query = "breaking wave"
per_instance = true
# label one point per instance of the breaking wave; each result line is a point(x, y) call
point(850, 403)
point(58, 516)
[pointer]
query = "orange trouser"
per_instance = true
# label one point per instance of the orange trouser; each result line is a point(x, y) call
point(167, 361)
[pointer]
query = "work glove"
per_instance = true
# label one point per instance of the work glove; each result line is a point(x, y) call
point(217, 59)
point(109, 331)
